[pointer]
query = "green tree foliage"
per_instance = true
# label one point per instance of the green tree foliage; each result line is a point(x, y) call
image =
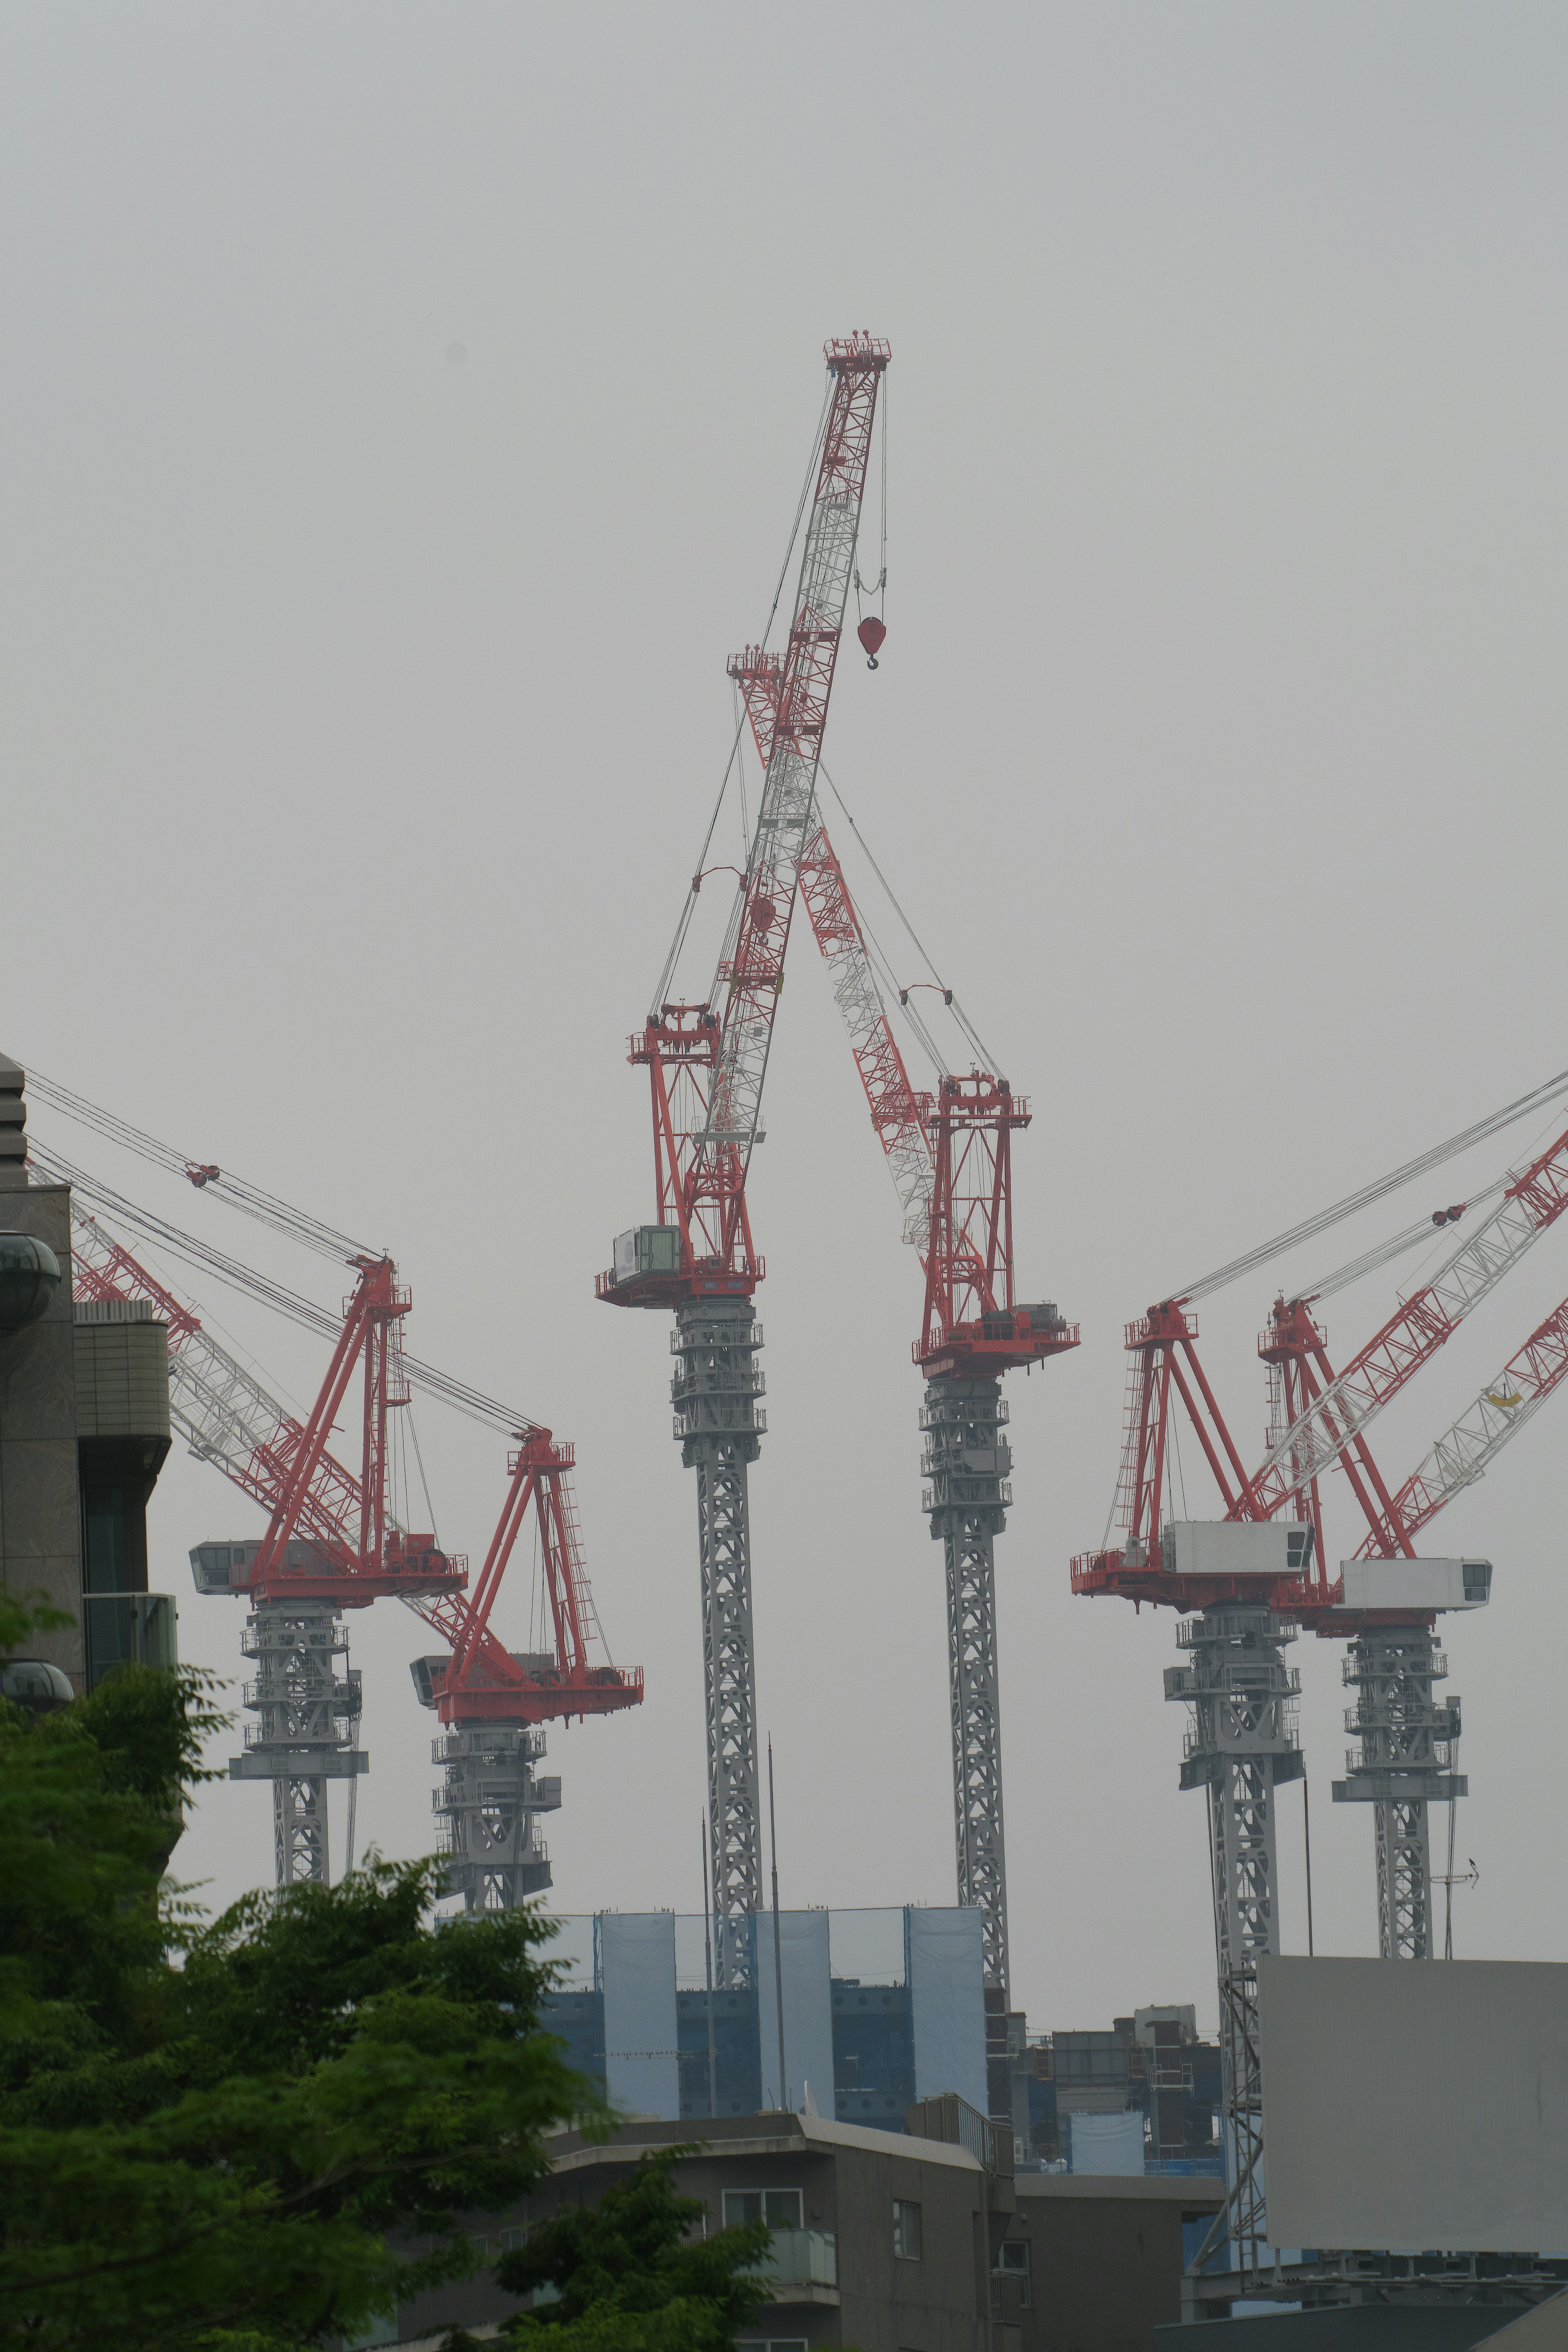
point(634, 2273)
point(210, 2132)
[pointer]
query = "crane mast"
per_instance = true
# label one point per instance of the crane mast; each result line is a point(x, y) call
point(707, 1065)
point(949, 1155)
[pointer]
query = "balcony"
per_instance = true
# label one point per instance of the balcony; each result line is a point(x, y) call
point(801, 2258)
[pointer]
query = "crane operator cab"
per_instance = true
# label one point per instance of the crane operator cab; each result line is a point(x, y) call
point(1420, 1584)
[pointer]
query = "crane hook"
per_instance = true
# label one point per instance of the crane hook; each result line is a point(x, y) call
point(871, 633)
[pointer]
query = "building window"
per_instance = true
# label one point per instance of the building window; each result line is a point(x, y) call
point(907, 2228)
point(1013, 2262)
point(779, 2208)
point(509, 2240)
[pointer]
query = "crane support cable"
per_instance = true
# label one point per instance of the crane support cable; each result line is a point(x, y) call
point(1309, 1228)
point(238, 1275)
point(249, 1199)
point(673, 958)
point(1409, 1237)
point(966, 1025)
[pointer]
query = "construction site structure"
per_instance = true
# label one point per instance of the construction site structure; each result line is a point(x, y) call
point(707, 1069)
point(331, 1544)
point(1256, 1575)
point(949, 1151)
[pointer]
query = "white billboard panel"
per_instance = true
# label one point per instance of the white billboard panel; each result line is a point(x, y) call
point(1416, 2106)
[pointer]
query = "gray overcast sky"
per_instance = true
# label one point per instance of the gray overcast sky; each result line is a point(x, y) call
point(401, 412)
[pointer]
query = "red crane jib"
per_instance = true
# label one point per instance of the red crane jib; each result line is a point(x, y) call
point(352, 1566)
point(703, 1136)
point(973, 1326)
point(1162, 1346)
point(318, 1508)
point(483, 1681)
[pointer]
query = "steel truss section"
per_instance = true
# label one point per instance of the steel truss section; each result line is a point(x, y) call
point(751, 968)
point(1242, 1745)
point(967, 1461)
point(308, 1727)
point(720, 1426)
point(1400, 1768)
point(488, 1806)
point(1467, 1449)
point(1319, 1436)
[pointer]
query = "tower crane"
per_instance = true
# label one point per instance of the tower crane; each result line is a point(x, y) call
point(1320, 1419)
point(331, 1543)
point(1255, 1577)
point(707, 1064)
point(950, 1155)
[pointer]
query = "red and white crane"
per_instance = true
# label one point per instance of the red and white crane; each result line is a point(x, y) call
point(1263, 1569)
point(332, 1542)
point(707, 1064)
point(949, 1151)
point(1255, 1577)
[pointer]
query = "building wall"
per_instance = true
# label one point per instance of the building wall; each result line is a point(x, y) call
point(1105, 2258)
point(940, 2303)
point(40, 1513)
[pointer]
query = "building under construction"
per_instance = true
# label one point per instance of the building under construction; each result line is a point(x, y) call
point(1268, 1565)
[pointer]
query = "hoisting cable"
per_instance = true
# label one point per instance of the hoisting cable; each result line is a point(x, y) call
point(965, 1024)
point(249, 1199)
point(879, 587)
point(1310, 1227)
point(673, 958)
point(240, 1276)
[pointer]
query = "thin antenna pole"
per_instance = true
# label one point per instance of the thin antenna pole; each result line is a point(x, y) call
point(1449, 1880)
point(1307, 1835)
point(708, 1973)
point(778, 1964)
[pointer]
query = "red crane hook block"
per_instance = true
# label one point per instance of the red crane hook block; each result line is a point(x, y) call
point(871, 633)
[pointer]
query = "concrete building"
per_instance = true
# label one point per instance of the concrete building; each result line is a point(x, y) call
point(84, 1432)
point(917, 2241)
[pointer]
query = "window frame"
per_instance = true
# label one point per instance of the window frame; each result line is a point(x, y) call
point(1022, 2271)
point(901, 2252)
point(763, 2195)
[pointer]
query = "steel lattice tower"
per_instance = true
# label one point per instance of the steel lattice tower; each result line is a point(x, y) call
point(488, 1806)
point(305, 1733)
point(1241, 1747)
point(966, 1462)
point(1402, 1768)
point(714, 1390)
